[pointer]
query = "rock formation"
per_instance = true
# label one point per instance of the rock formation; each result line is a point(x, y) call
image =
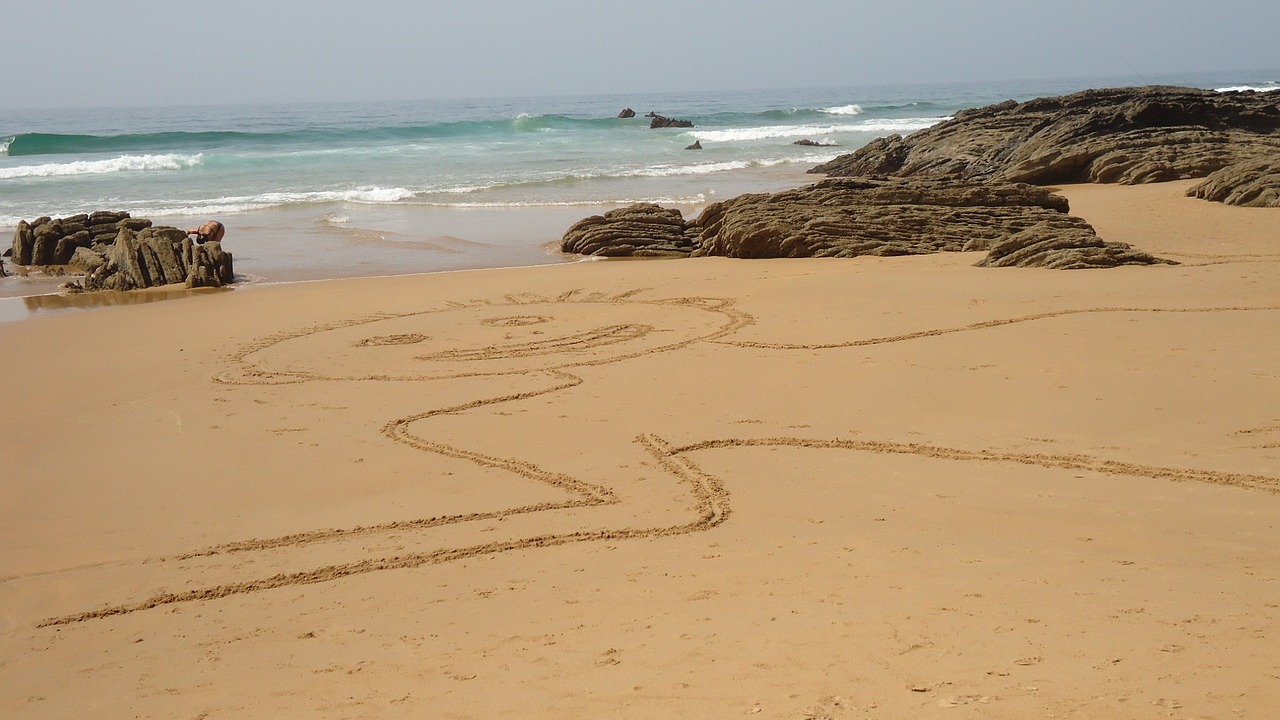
point(1127, 136)
point(119, 252)
point(1254, 183)
point(1019, 224)
point(660, 121)
point(697, 145)
point(642, 230)
point(813, 143)
point(626, 113)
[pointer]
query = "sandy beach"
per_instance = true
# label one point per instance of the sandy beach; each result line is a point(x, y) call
point(870, 488)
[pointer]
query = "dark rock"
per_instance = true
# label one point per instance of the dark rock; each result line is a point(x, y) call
point(665, 122)
point(626, 113)
point(813, 143)
point(47, 235)
point(697, 145)
point(134, 224)
point(106, 217)
point(1127, 136)
point(67, 244)
point(1063, 249)
point(641, 230)
point(1254, 183)
point(846, 217)
point(24, 240)
point(87, 260)
point(118, 252)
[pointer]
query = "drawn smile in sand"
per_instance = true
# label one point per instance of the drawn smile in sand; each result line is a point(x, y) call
point(543, 342)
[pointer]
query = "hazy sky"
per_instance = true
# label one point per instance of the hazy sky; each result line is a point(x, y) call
point(89, 52)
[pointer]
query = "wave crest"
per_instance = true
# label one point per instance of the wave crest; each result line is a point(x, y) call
point(843, 110)
point(124, 163)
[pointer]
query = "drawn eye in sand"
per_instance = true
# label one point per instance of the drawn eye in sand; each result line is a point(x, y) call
point(521, 334)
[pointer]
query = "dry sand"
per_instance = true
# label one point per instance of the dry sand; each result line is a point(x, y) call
point(872, 488)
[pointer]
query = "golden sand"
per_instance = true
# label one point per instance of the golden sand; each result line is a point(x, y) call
point(871, 488)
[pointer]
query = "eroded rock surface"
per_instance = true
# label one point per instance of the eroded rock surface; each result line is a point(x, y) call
point(1126, 136)
point(641, 230)
point(1255, 183)
point(119, 252)
point(848, 217)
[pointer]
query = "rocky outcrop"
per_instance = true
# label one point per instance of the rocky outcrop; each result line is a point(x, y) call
point(626, 113)
point(1059, 248)
point(813, 143)
point(642, 230)
point(697, 145)
point(119, 252)
point(660, 121)
point(1127, 136)
point(50, 241)
point(1021, 224)
point(1254, 183)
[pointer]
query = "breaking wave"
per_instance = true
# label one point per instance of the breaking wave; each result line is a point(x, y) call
point(124, 163)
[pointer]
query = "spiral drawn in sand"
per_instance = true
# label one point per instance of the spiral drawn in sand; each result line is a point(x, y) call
point(545, 339)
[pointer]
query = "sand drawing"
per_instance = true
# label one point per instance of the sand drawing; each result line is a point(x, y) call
point(550, 343)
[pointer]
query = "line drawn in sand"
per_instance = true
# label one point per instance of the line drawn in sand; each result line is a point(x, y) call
point(547, 339)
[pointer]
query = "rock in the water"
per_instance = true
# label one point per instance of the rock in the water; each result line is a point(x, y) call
point(848, 217)
point(697, 145)
point(626, 113)
point(119, 252)
point(813, 143)
point(665, 122)
point(1127, 136)
point(1255, 183)
point(641, 230)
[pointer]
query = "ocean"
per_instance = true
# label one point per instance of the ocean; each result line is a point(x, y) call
point(315, 191)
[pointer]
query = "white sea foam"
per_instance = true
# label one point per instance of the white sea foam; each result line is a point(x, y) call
point(124, 163)
point(767, 132)
point(698, 199)
point(1265, 87)
point(678, 170)
point(248, 203)
point(4, 145)
point(843, 110)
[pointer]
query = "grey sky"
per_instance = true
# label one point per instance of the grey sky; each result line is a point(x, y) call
point(89, 52)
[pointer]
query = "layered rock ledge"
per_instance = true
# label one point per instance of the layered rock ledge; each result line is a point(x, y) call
point(119, 252)
point(1126, 136)
point(1017, 224)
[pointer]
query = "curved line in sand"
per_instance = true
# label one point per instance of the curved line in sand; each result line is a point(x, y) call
point(712, 506)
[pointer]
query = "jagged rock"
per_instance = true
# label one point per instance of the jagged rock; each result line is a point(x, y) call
point(1126, 136)
point(24, 239)
point(641, 230)
point(813, 143)
point(697, 145)
point(626, 113)
point(848, 217)
point(1255, 183)
point(660, 121)
point(119, 252)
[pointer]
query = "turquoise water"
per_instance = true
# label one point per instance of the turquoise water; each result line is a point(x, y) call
point(314, 191)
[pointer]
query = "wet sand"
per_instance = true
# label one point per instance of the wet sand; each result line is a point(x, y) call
point(870, 488)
